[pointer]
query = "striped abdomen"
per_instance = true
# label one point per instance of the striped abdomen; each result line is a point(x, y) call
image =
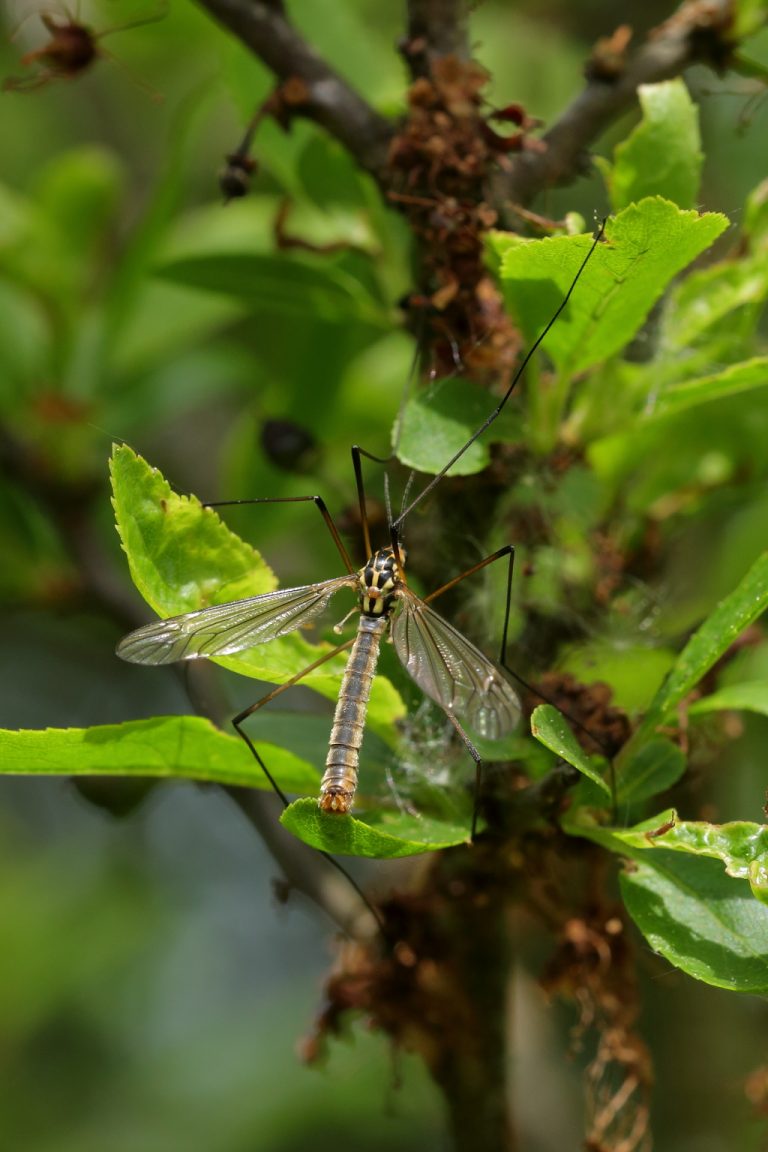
point(337, 788)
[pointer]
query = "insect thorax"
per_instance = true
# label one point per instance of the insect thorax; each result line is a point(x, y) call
point(379, 581)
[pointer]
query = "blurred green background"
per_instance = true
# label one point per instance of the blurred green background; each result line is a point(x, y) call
point(151, 989)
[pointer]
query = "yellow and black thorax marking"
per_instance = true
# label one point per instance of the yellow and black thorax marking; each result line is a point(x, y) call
point(380, 580)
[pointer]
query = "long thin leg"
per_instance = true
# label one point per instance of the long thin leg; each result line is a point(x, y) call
point(508, 550)
point(357, 452)
point(237, 724)
point(496, 411)
point(316, 500)
point(478, 770)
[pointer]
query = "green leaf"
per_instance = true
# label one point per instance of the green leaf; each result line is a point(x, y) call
point(749, 697)
point(646, 246)
point(633, 672)
point(183, 557)
point(275, 284)
point(550, 728)
point(437, 423)
point(749, 17)
point(700, 920)
point(745, 377)
point(80, 191)
point(188, 747)
point(662, 156)
point(384, 835)
point(705, 647)
point(180, 554)
point(724, 298)
point(741, 845)
point(654, 768)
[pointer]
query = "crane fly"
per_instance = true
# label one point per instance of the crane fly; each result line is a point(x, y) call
point(446, 666)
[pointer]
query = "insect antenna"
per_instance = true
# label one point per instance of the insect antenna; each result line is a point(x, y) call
point(499, 407)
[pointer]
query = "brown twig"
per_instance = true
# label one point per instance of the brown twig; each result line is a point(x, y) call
point(697, 33)
point(327, 98)
point(436, 28)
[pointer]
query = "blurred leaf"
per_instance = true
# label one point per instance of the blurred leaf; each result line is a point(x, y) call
point(744, 377)
point(80, 191)
point(438, 421)
point(166, 747)
point(167, 320)
point(551, 729)
point(749, 697)
point(662, 156)
point(654, 768)
point(749, 17)
point(634, 673)
point(278, 284)
point(726, 294)
point(704, 648)
point(645, 247)
point(385, 836)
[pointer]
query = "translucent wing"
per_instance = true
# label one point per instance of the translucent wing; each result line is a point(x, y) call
point(227, 628)
point(451, 671)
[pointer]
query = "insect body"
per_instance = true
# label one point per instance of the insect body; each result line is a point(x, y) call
point(72, 49)
point(445, 665)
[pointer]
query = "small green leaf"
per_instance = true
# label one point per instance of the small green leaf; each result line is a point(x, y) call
point(705, 647)
point(187, 747)
point(645, 247)
point(550, 728)
point(437, 423)
point(385, 835)
point(662, 156)
point(655, 767)
point(700, 920)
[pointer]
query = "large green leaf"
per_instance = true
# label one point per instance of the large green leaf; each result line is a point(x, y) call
point(740, 845)
point(700, 918)
point(645, 247)
point(166, 746)
point(183, 557)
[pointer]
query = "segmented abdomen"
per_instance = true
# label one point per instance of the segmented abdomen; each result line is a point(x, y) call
point(339, 783)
